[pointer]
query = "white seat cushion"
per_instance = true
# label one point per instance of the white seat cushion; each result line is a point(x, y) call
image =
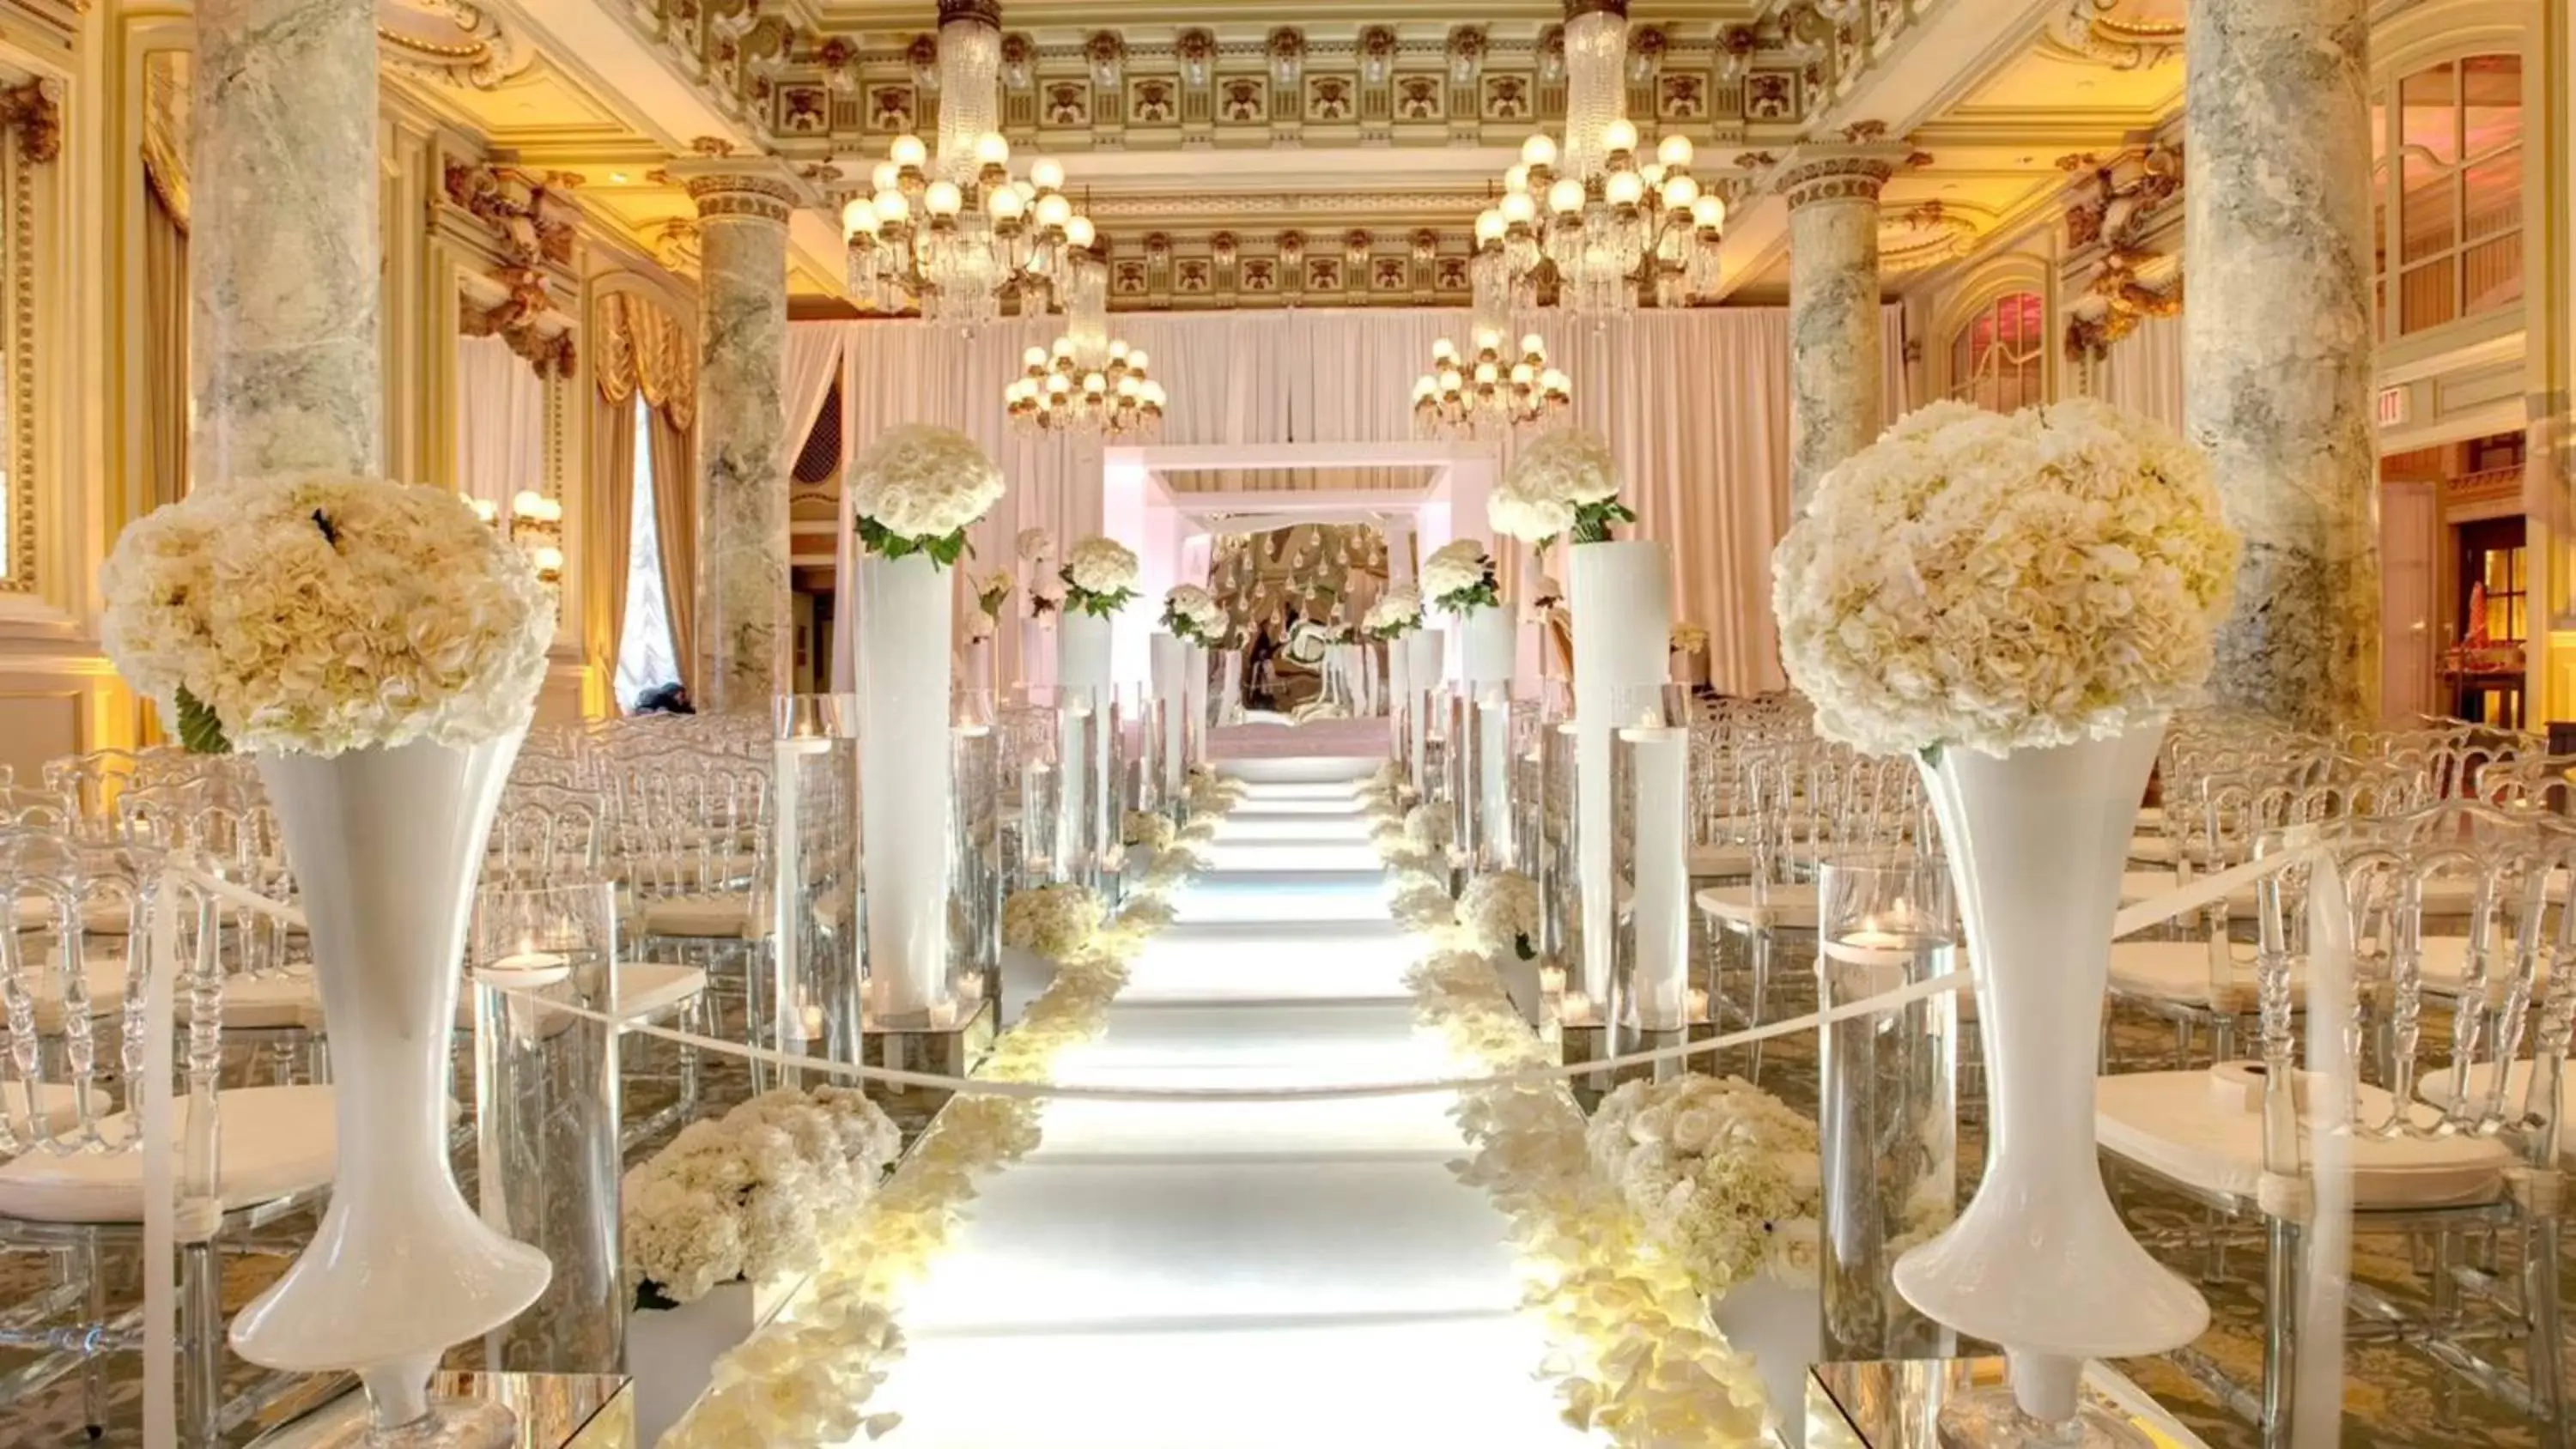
point(270, 1001)
point(277, 1141)
point(2183, 1126)
point(2441, 1088)
point(56, 1107)
point(1720, 860)
point(2178, 972)
point(646, 988)
point(704, 917)
point(1758, 907)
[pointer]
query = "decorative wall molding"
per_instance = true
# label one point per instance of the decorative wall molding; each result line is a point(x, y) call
point(33, 112)
point(2117, 278)
point(2092, 32)
point(451, 42)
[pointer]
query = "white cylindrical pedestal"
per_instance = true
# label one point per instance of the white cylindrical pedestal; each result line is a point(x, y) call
point(1488, 649)
point(1424, 649)
point(1659, 762)
point(1623, 606)
point(1171, 662)
point(1082, 651)
point(1194, 686)
point(905, 612)
point(1037, 651)
point(1488, 642)
point(1399, 674)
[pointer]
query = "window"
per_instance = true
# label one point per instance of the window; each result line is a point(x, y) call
point(645, 654)
point(2455, 140)
point(1996, 361)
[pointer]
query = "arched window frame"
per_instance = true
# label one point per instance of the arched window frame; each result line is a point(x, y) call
point(1977, 298)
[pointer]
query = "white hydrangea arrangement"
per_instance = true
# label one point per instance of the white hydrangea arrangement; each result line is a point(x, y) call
point(1566, 482)
point(918, 488)
point(1054, 921)
point(745, 1197)
point(1459, 577)
point(1100, 576)
point(1397, 612)
point(1500, 912)
point(1148, 829)
point(325, 613)
point(1194, 615)
point(1726, 1174)
point(1035, 545)
point(2003, 583)
point(1688, 638)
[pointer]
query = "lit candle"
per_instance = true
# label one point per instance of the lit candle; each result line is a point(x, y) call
point(1576, 1009)
point(943, 1015)
point(1551, 982)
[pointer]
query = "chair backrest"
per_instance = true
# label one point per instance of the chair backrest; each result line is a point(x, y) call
point(2513, 990)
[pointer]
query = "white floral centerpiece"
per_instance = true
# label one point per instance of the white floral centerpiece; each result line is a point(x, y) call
point(1100, 576)
point(1499, 911)
point(745, 1196)
point(2004, 582)
point(1149, 829)
point(326, 613)
point(1035, 545)
point(1397, 612)
point(1688, 638)
point(1724, 1172)
point(1459, 577)
point(1054, 921)
point(918, 488)
point(1194, 615)
point(1566, 482)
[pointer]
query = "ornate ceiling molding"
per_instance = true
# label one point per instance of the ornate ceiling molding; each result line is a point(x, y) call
point(34, 111)
point(2115, 206)
point(1923, 236)
point(454, 42)
point(2093, 32)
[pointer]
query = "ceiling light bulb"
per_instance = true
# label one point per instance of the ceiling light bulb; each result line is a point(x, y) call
point(943, 199)
point(1533, 345)
point(885, 177)
point(1515, 179)
point(1153, 393)
point(1064, 347)
point(1518, 209)
point(1489, 225)
point(1555, 382)
point(1047, 173)
point(1129, 387)
point(1035, 359)
point(893, 207)
point(1451, 380)
point(1443, 350)
point(1539, 150)
point(1680, 192)
point(1624, 188)
point(1059, 383)
point(1136, 358)
point(1117, 349)
point(1675, 151)
point(992, 149)
point(1488, 340)
point(1425, 388)
point(1093, 382)
point(1054, 211)
point(524, 503)
point(1486, 373)
point(1565, 197)
point(1619, 135)
point(1523, 374)
point(1709, 212)
point(1653, 171)
point(1005, 204)
point(859, 217)
point(1079, 231)
point(908, 151)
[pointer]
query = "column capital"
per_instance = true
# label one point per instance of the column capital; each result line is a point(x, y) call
point(751, 188)
point(1837, 173)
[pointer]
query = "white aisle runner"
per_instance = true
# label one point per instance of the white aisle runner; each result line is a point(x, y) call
point(1277, 1276)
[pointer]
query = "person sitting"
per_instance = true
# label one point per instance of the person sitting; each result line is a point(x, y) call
point(672, 698)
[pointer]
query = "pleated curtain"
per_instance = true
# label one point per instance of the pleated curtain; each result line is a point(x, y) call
point(2144, 371)
point(1696, 405)
point(500, 422)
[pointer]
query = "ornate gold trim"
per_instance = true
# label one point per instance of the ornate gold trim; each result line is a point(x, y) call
point(31, 110)
point(18, 266)
point(1835, 178)
point(520, 319)
point(763, 198)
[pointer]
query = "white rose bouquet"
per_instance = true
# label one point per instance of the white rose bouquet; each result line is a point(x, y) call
point(1035, 545)
point(918, 488)
point(1724, 1172)
point(317, 614)
point(1054, 921)
point(1149, 829)
point(1459, 577)
point(2003, 583)
point(1566, 482)
point(1397, 613)
point(1500, 912)
point(1194, 615)
point(745, 1196)
point(1099, 576)
point(1689, 639)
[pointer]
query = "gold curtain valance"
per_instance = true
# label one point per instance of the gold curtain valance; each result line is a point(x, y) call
point(166, 101)
point(640, 347)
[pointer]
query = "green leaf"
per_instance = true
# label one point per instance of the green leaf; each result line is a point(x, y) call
point(649, 1298)
point(199, 731)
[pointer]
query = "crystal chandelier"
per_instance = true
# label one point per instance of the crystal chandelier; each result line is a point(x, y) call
point(1087, 379)
point(954, 232)
point(1605, 226)
point(1491, 391)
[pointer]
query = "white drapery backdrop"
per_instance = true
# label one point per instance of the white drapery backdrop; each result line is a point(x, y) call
point(2143, 372)
point(1695, 404)
point(500, 422)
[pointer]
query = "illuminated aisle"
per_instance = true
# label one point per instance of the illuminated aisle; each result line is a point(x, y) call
point(1162, 1276)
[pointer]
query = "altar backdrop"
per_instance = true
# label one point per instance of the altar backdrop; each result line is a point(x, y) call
point(1695, 404)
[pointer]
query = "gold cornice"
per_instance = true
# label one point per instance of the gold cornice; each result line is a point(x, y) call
point(31, 110)
point(1834, 178)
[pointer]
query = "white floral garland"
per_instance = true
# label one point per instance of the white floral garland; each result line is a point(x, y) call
point(1635, 1356)
point(807, 1377)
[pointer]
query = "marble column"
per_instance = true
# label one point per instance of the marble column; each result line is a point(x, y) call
point(1835, 369)
point(285, 266)
point(2277, 346)
point(744, 632)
